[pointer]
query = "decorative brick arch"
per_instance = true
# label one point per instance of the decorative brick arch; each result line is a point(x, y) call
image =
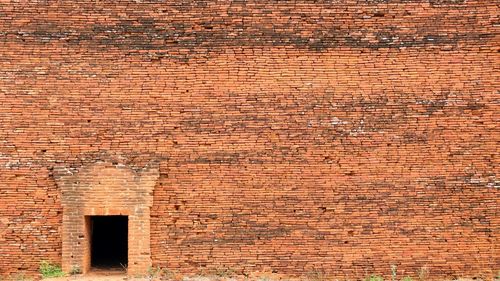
point(104, 188)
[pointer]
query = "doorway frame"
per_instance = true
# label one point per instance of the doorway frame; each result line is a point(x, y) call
point(106, 189)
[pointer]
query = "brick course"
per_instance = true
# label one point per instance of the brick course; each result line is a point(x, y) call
point(290, 136)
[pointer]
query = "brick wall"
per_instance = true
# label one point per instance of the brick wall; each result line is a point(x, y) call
point(293, 136)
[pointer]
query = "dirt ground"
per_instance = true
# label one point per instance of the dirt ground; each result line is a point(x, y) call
point(199, 278)
point(121, 276)
point(125, 278)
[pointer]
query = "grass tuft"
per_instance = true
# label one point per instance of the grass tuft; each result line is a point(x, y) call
point(49, 270)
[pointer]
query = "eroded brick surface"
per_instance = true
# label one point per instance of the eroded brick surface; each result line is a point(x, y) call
point(294, 136)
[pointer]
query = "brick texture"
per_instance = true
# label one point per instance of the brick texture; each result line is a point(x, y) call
point(291, 136)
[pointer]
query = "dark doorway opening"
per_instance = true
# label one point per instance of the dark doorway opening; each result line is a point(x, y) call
point(109, 241)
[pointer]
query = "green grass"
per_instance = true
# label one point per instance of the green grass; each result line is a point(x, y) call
point(49, 270)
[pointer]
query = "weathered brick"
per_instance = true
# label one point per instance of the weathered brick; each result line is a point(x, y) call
point(290, 136)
